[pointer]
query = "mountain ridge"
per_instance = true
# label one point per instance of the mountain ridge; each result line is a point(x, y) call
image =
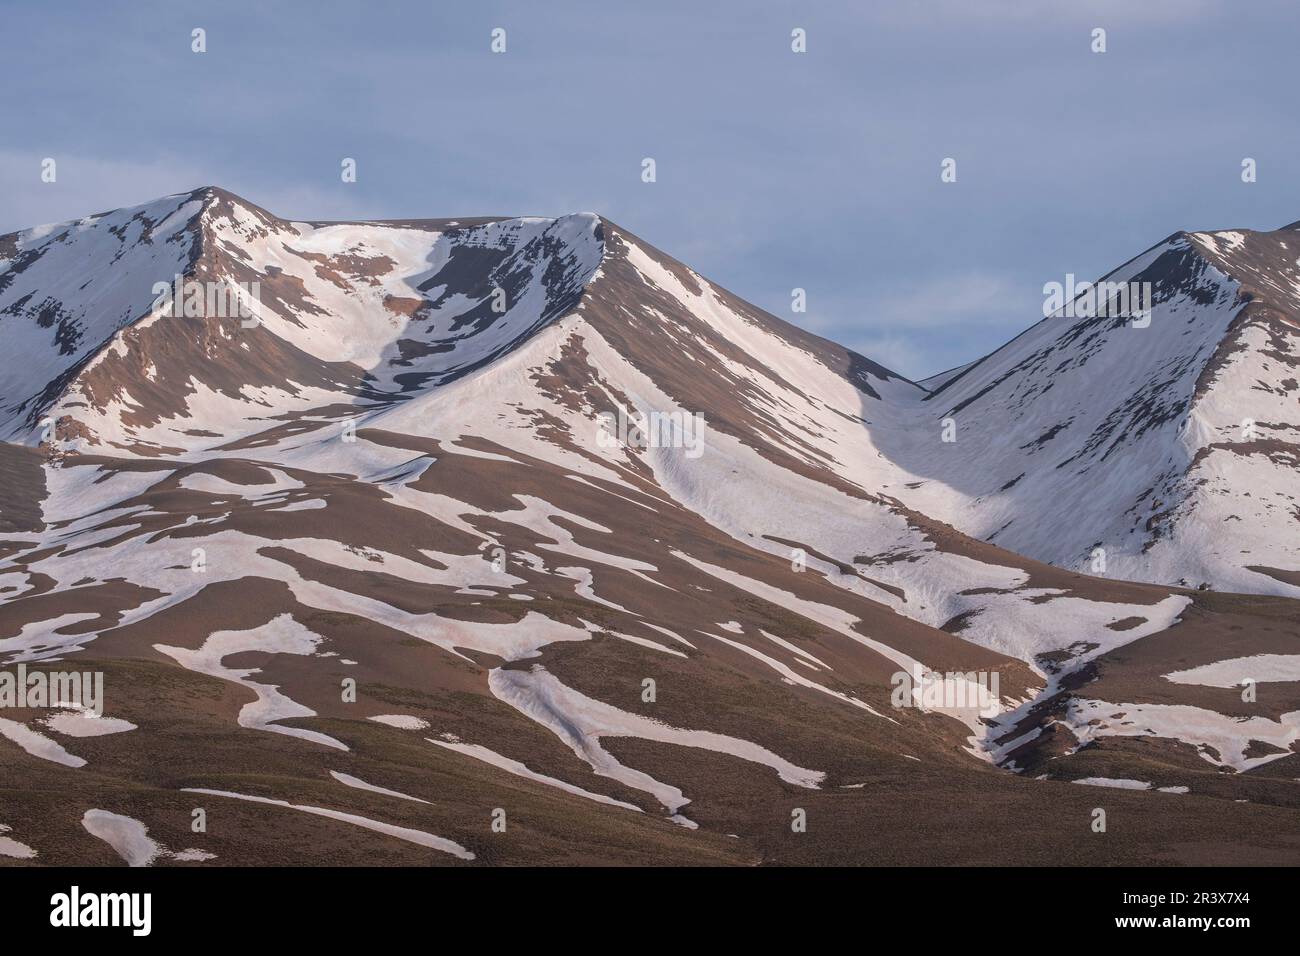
point(387, 481)
point(215, 205)
point(373, 360)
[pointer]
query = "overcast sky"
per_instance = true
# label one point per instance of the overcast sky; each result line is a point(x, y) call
point(775, 170)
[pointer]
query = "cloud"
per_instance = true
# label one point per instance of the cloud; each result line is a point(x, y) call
point(84, 185)
point(949, 300)
point(930, 324)
point(905, 355)
point(936, 13)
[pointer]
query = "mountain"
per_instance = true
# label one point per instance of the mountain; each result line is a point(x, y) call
point(518, 541)
point(1171, 443)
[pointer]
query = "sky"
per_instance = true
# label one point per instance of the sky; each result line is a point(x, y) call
point(775, 170)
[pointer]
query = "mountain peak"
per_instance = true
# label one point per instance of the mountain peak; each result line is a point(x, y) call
point(358, 310)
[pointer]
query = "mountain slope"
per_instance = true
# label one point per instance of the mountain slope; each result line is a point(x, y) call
point(1170, 446)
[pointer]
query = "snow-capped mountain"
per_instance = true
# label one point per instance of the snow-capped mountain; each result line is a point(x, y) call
point(385, 533)
point(1170, 442)
point(341, 313)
